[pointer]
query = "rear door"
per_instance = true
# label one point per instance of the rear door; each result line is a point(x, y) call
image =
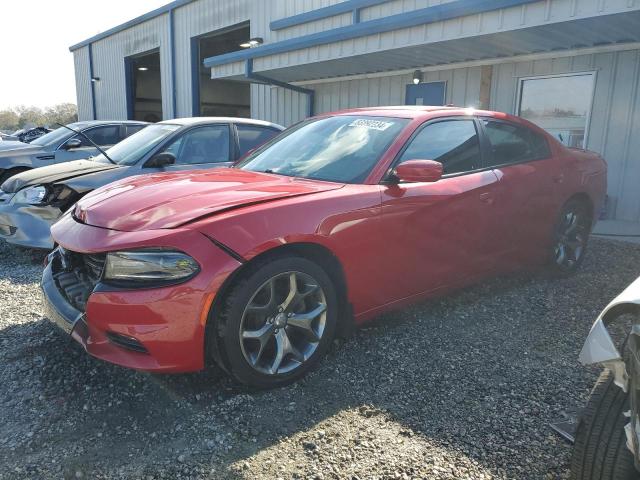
point(205, 146)
point(527, 198)
point(436, 233)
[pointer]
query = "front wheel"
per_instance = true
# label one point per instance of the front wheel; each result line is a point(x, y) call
point(600, 451)
point(278, 321)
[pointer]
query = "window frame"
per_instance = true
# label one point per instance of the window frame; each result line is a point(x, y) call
point(236, 154)
point(85, 130)
point(487, 143)
point(179, 133)
point(481, 143)
point(517, 104)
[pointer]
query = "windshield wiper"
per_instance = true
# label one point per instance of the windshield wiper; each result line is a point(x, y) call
point(90, 141)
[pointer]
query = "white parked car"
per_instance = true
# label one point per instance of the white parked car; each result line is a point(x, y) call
point(608, 433)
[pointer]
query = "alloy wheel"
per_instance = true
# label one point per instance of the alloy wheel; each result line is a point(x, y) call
point(283, 323)
point(572, 235)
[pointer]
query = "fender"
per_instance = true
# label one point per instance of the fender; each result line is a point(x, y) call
point(599, 346)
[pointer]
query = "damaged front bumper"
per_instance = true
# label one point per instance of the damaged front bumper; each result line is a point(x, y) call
point(27, 225)
point(600, 348)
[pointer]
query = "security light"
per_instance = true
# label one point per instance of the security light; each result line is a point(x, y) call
point(417, 77)
point(252, 42)
point(143, 69)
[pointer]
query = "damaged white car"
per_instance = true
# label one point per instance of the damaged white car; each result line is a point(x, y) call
point(607, 436)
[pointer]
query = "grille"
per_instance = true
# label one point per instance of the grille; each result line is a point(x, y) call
point(76, 275)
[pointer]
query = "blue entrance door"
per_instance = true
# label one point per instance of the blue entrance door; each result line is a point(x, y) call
point(431, 93)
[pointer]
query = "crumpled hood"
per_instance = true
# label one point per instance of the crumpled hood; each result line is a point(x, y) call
point(55, 173)
point(168, 200)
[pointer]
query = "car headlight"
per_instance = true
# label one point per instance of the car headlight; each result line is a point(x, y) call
point(149, 267)
point(30, 195)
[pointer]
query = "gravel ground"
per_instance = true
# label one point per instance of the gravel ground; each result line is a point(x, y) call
point(462, 387)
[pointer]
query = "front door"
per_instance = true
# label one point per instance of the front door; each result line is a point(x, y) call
point(207, 146)
point(431, 93)
point(104, 136)
point(436, 233)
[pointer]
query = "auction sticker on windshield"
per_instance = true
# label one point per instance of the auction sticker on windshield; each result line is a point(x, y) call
point(373, 124)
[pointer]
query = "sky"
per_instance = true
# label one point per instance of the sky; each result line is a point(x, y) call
point(36, 66)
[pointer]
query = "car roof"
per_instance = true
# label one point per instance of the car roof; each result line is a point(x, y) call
point(419, 111)
point(205, 120)
point(93, 123)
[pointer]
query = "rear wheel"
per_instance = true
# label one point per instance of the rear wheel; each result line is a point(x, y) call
point(600, 451)
point(278, 321)
point(571, 236)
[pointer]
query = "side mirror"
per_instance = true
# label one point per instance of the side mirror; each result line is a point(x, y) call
point(419, 171)
point(161, 160)
point(72, 143)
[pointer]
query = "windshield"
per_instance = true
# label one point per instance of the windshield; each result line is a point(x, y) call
point(57, 136)
point(339, 149)
point(130, 150)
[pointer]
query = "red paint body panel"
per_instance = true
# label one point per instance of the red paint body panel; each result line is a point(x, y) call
point(396, 243)
point(168, 320)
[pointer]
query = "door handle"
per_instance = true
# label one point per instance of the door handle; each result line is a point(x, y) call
point(559, 178)
point(486, 198)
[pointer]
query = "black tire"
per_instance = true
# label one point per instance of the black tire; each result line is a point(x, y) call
point(10, 173)
point(229, 329)
point(581, 209)
point(600, 451)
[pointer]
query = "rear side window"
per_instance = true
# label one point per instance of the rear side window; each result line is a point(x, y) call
point(251, 136)
point(512, 143)
point(102, 136)
point(454, 143)
point(131, 129)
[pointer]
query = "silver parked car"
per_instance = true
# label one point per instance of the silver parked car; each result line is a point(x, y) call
point(607, 441)
point(32, 201)
point(63, 145)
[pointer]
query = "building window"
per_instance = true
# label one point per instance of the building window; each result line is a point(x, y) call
point(559, 104)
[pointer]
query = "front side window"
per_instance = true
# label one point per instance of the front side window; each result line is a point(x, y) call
point(512, 143)
point(101, 136)
point(344, 148)
point(251, 136)
point(57, 136)
point(209, 144)
point(454, 143)
point(560, 105)
point(130, 150)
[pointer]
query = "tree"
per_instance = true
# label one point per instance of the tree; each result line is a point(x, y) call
point(62, 113)
point(8, 120)
point(30, 116)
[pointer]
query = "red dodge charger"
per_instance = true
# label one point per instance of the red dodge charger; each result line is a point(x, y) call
point(341, 217)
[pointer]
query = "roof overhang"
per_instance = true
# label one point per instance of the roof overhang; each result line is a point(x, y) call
point(605, 30)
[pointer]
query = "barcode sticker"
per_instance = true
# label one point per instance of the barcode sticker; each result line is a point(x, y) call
point(373, 124)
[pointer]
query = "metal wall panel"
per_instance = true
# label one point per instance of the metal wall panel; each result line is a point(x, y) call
point(506, 19)
point(195, 19)
point(615, 117)
point(286, 107)
point(108, 65)
point(83, 83)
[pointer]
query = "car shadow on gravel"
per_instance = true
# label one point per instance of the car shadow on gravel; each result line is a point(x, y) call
point(473, 378)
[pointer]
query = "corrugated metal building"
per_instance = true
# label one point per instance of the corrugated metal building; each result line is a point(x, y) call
point(572, 66)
